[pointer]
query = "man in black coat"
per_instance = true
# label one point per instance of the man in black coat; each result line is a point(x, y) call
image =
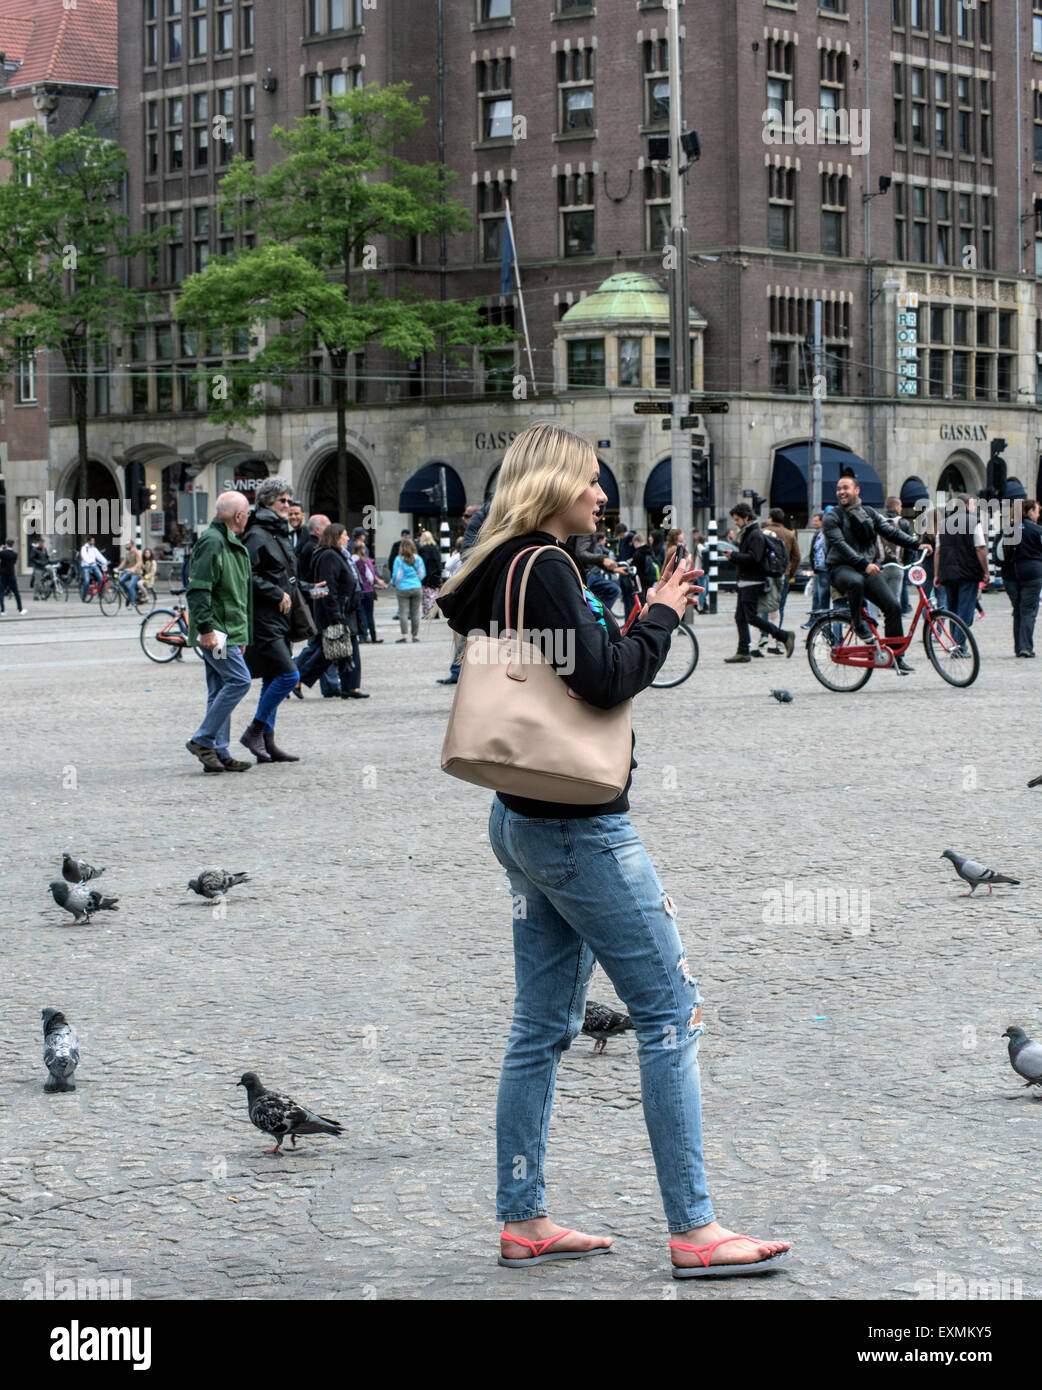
point(752, 583)
point(270, 653)
point(851, 529)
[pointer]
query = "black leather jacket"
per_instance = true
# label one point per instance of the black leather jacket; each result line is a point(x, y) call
point(850, 536)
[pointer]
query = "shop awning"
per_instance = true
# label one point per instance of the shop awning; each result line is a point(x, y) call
point(791, 473)
point(610, 487)
point(414, 499)
point(913, 490)
point(658, 490)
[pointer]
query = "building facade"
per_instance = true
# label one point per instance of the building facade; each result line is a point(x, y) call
point(57, 70)
point(883, 158)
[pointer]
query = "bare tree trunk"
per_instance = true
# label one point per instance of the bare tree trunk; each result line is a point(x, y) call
point(339, 363)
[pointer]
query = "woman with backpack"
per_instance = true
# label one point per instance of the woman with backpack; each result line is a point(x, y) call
point(589, 890)
point(407, 578)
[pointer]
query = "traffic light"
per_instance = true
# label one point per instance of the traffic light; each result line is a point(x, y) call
point(997, 471)
point(700, 478)
point(137, 493)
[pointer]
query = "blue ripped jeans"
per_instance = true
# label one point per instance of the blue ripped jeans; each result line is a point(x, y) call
point(584, 890)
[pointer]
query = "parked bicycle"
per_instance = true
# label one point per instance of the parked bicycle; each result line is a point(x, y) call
point(50, 583)
point(164, 632)
point(842, 661)
point(682, 657)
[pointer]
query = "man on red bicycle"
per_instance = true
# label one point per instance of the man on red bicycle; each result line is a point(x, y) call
point(851, 530)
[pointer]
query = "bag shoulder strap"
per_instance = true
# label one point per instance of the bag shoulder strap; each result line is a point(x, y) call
point(538, 550)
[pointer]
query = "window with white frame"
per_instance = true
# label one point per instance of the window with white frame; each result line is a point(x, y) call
point(26, 382)
point(495, 99)
point(492, 198)
point(575, 195)
point(656, 82)
point(575, 90)
point(657, 207)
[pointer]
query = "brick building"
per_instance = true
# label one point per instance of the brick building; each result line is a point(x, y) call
point(57, 69)
point(928, 278)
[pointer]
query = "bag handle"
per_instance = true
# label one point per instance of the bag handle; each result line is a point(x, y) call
point(521, 596)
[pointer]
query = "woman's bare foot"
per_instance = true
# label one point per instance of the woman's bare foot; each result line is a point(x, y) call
point(736, 1249)
point(540, 1229)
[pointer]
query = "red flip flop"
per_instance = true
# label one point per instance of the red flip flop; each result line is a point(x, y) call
point(540, 1247)
point(707, 1271)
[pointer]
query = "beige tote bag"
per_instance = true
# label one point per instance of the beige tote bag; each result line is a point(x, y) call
point(516, 727)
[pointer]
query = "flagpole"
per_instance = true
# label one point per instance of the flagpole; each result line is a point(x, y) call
point(520, 296)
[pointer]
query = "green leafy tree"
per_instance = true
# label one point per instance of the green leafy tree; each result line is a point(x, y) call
point(313, 274)
point(64, 245)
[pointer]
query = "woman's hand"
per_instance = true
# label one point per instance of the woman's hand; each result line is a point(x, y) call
point(676, 588)
point(285, 603)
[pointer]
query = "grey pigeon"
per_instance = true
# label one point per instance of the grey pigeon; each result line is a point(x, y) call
point(603, 1023)
point(215, 882)
point(61, 1051)
point(80, 900)
point(782, 696)
point(1025, 1056)
point(975, 874)
point(78, 870)
point(278, 1115)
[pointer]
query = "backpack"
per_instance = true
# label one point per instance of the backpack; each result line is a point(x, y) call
point(775, 559)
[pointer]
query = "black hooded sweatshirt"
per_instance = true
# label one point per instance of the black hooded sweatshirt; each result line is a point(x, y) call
point(607, 667)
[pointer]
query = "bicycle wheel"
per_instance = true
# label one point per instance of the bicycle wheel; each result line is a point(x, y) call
point(951, 647)
point(681, 659)
point(161, 635)
point(60, 591)
point(110, 598)
point(46, 588)
point(821, 653)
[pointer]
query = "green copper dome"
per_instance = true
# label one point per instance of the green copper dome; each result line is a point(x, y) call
point(630, 297)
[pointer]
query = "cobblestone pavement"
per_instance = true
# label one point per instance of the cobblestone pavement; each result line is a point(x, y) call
point(856, 1090)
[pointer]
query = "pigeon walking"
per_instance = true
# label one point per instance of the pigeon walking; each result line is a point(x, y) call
point(1025, 1056)
point(975, 874)
point(782, 696)
point(78, 870)
point(278, 1115)
point(603, 1023)
point(215, 882)
point(61, 1051)
point(80, 900)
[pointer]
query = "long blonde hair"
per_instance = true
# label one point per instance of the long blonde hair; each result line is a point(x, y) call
point(543, 472)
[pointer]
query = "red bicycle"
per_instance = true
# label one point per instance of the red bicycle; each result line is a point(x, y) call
point(842, 661)
point(682, 657)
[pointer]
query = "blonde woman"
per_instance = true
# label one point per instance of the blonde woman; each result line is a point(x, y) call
point(589, 889)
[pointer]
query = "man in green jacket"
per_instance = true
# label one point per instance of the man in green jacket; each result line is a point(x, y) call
point(220, 621)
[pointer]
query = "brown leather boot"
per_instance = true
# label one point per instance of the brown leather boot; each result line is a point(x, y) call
point(275, 753)
point(253, 739)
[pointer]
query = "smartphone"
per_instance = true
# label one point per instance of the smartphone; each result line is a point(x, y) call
point(681, 553)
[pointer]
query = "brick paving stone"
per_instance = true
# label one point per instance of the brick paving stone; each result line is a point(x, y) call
point(856, 1090)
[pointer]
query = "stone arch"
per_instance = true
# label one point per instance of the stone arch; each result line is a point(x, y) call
point(319, 492)
point(971, 468)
